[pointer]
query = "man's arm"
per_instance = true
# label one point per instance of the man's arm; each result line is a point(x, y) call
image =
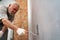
point(19, 31)
point(7, 24)
point(2, 31)
point(4, 28)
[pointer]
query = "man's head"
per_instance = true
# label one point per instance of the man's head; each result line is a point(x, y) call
point(13, 8)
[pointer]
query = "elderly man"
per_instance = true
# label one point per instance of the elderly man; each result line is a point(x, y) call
point(6, 17)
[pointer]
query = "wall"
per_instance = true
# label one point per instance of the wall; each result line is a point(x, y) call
point(21, 19)
point(48, 18)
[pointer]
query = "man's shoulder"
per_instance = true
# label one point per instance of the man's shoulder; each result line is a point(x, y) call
point(4, 8)
point(3, 11)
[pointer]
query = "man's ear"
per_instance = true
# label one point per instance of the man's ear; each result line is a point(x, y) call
point(9, 5)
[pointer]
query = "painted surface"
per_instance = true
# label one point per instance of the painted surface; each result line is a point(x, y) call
point(47, 13)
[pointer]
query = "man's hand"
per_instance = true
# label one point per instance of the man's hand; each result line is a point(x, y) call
point(21, 32)
point(6, 22)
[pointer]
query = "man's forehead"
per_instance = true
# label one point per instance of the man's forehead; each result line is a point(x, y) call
point(15, 5)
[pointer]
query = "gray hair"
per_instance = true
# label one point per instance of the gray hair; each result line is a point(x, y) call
point(14, 2)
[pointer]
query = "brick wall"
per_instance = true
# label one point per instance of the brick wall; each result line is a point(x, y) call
point(21, 19)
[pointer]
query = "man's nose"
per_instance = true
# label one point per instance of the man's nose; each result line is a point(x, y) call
point(14, 11)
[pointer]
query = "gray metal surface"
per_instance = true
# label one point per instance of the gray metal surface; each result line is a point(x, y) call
point(46, 13)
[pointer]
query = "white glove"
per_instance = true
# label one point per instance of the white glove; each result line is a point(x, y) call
point(20, 31)
point(1, 33)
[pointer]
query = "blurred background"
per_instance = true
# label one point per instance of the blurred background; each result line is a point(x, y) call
point(5, 2)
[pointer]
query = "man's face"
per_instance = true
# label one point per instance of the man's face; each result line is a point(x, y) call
point(13, 9)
